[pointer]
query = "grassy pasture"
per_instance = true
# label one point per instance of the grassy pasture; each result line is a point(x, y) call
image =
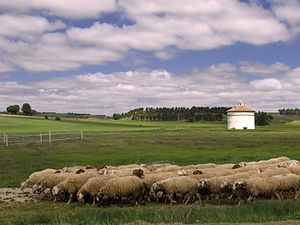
point(123, 142)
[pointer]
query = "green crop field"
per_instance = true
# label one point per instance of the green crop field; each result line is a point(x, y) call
point(121, 142)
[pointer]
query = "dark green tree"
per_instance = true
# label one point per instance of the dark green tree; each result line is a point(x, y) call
point(117, 116)
point(26, 109)
point(13, 109)
point(262, 118)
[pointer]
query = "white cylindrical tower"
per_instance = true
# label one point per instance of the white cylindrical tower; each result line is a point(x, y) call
point(241, 117)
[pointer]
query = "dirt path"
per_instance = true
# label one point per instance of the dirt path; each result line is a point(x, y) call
point(16, 195)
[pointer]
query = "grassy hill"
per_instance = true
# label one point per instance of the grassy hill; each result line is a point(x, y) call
point(111, 142)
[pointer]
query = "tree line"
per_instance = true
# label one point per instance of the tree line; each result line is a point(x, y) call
point(175, 114)
point(26, 109)
point(289, 112)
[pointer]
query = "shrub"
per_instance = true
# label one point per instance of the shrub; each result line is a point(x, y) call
point(57, 118)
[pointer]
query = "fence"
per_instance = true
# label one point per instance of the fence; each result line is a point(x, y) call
point(16, 139)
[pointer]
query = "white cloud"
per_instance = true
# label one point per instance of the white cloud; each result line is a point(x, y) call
point(119, 92)
point(35, 43)
point(75, 9)
point(262, 69)
point(23, 26)
point(268, 84)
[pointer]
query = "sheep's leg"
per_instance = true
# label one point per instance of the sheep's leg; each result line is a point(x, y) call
point(199, 198)
point(94, 201)
point(55, 199)
point(171, 198)
point(188, 199)
point(277, 195)
point(250, 198)
point(297, 194)
point(70, 199)
point(281, 195)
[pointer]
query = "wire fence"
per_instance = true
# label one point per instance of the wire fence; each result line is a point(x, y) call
point(17, 139)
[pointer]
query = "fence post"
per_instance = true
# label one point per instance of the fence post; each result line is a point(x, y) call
point(50, 137)
point(81, 135)
point(6, 141)
point(4, 138)
point(41, 137)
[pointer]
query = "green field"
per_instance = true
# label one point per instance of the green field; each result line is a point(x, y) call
point(120, 142)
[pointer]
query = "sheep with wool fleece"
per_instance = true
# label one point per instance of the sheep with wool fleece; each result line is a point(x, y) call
point(211, 187)
point(92, 187)
point(231, 179)
point(273, 171)
point(150, 179)
point(184, 185)
point(257, 186)
point(122, 187)
point(170, 168)
point(72, 184)
point(35, 177)
point(294, 169)
point(288, 182)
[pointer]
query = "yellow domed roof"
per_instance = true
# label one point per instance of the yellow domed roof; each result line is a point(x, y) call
point(241, 107)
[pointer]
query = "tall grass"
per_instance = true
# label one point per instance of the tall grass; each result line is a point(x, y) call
point(183, 146)
point(50, 213)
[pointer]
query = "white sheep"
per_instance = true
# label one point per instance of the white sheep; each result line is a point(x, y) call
point(267, 186)
point(150, 179)
point(35, 177)
point(288, 182)
point(273, 171)
point(294, 169)
point(50, 182)
point(183, 185)
point(117, 188)
point(72, 184)
point(92, 187)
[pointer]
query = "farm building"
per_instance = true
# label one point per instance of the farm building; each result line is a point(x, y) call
point(241, 117)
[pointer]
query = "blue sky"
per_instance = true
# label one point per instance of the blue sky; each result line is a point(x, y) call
point(105, 56)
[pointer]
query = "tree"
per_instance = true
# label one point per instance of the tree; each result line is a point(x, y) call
point(117, 116)
point(262, 118)
point(26, 109)
point(13, 109)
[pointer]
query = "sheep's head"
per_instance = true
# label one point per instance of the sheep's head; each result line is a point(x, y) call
point(139, 173)
point(155, 187)
point(236, 166)
point(37, 188)
point(226, 186)
point(23, 185)
point(181, 173)
point(159, 194)
point(59, 192)
point(202, 183)
point(101, 196)
point(80, 197)
point(80, 171)
point(238, 185)
point(197, 172)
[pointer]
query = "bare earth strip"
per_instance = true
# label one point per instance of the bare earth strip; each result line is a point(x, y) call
point(16, 195)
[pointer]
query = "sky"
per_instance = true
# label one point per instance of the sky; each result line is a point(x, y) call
point(110, 56)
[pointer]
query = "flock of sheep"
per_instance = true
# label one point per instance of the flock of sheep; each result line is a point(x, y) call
point(164, 182)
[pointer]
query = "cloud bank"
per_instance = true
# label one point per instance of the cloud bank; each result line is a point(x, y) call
point(40, 36)
point(98, 93)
